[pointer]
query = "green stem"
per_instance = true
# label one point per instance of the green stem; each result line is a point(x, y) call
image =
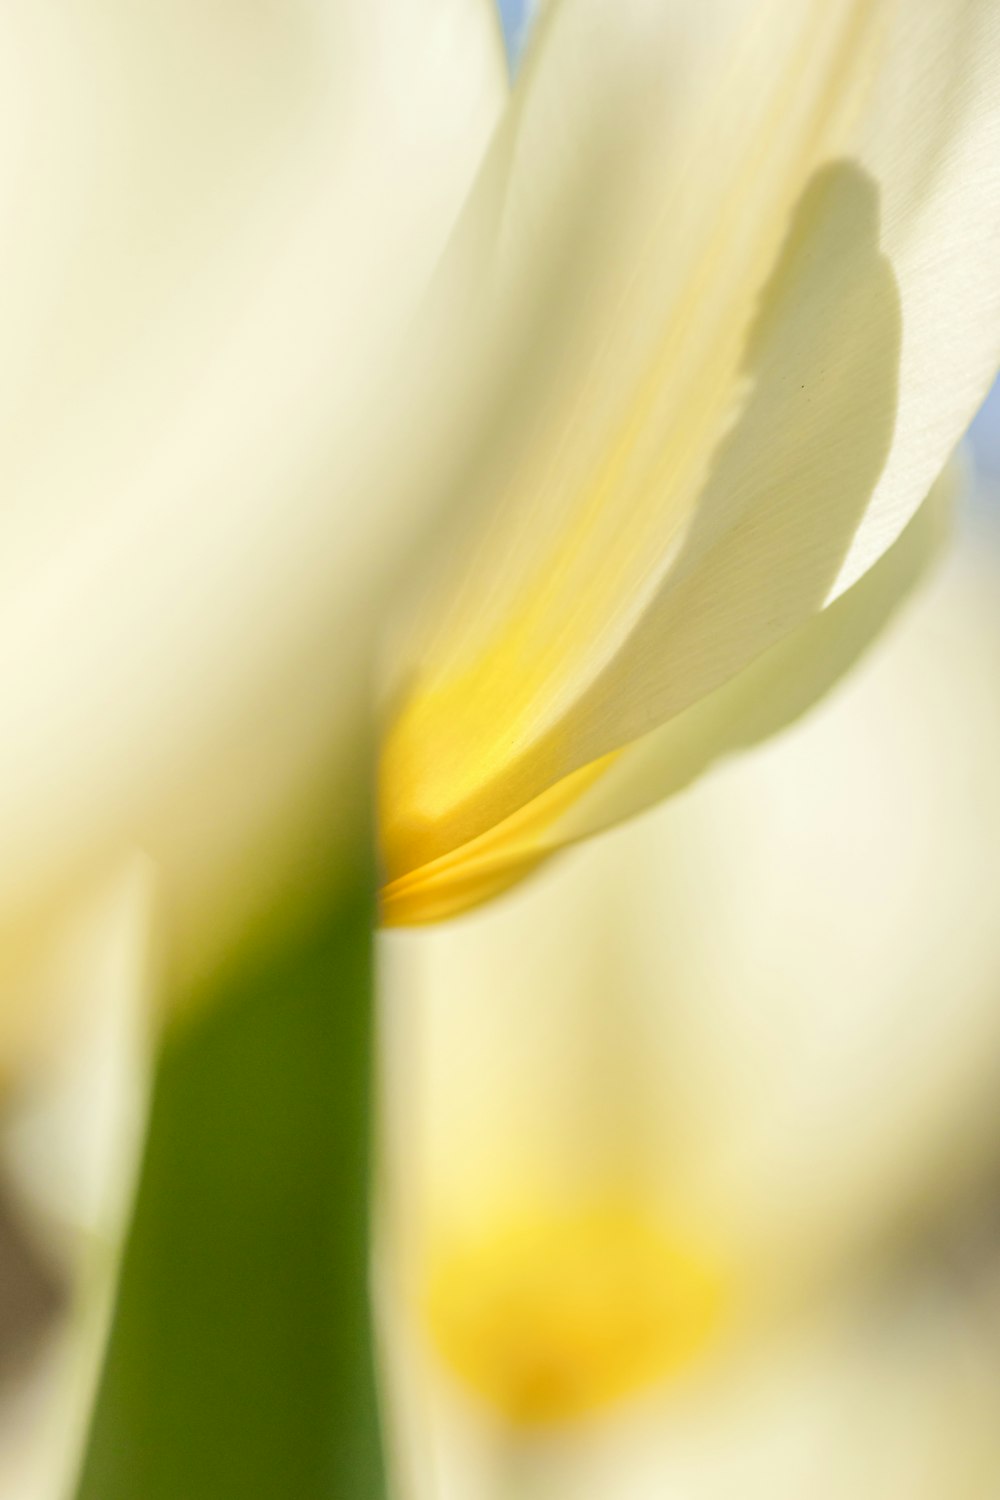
point(240, 1364)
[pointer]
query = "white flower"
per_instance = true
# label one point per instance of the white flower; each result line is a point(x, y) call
point(724, 302)
point(216, 224)
point(654, 1123)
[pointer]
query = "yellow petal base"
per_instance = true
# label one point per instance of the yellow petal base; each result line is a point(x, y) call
point(477, 871)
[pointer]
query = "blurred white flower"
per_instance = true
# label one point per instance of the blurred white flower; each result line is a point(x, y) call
point(656, 1125)
point(217, 223)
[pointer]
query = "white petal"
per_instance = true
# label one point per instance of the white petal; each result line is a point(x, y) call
point(738, 267)
point(72, 1134)
point(889, 1398)
point(765, 697)
point(214, 225)
point(886, 1399)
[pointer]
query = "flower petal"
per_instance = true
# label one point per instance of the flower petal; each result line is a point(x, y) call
point(71, 1141)
point(764, 698)
point(889, 1394)
point(216, 223)
point(740, 259)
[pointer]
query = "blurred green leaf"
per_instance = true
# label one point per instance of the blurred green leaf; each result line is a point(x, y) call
point(240, 1359)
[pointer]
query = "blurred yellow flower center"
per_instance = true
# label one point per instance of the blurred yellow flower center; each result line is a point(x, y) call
point(550, 1318)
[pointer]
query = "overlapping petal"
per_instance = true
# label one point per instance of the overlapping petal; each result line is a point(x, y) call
point(736, 306)
point(777, 688)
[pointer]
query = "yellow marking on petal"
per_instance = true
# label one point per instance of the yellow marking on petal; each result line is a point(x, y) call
point(574, 556)
point(486, 866)
point(552, 1317)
